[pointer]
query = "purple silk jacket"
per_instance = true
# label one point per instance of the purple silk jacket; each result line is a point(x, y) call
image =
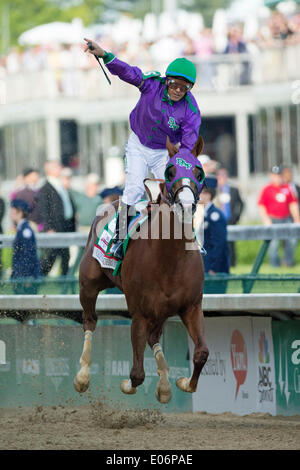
point(155, 116)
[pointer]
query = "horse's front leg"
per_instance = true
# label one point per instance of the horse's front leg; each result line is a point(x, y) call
point(88, 297)
point(194, 322)
point(163, 391)
point(138, 341)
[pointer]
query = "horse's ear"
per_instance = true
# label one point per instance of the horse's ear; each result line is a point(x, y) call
point(198, 146)
point(172, 149)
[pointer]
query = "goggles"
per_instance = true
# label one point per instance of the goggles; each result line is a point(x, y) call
point(174, 85)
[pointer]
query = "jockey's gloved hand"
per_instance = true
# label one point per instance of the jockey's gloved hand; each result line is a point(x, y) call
point(97, 50)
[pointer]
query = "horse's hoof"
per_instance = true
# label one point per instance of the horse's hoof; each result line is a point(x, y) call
point(163, 391)
point(163, 397)
point(127, 387)
point(80, 387)
point(184, 384)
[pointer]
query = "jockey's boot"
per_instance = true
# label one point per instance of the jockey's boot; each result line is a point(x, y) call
point(121, 230)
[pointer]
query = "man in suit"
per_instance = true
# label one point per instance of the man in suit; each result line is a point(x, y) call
point(57, 213)
point(231, 204)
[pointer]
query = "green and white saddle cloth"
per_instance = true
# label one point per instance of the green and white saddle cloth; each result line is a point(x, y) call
point(103, 243)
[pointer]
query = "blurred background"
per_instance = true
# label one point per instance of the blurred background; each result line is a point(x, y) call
point(57, 105)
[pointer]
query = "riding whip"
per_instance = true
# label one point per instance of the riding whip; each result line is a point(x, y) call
point(91, 48)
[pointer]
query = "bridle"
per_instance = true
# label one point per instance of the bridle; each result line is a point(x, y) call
point(173, 195)
point(170, 201)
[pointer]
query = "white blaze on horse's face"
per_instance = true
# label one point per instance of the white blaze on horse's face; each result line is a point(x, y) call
point(185, 201)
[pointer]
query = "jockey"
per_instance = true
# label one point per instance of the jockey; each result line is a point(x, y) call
point(166, 108)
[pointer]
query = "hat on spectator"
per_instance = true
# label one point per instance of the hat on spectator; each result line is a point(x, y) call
point(66, 172)
point(276, 170)
point(211, 182)
point(93, 178)
point(204, 159)
point(20, 204)
point(109, 191)
point(29, 170)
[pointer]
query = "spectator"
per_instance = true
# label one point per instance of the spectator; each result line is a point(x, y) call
point(29, 193)
point(19, 184)
point(204, 49)
point(25, 263)
point(287, 177)
point(236, 45)
point(109, 195)
point(56, 212)
point(2, 212)
point(215, 232)
point(86, 203)
point(231, 205)
point(279, 205)
point(66, 176)
point(209, 165)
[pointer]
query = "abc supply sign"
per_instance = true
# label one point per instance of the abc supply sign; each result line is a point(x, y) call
point(286, 337)
point(239, 374)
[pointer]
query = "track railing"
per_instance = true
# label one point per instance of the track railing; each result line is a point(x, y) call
point(260, 233)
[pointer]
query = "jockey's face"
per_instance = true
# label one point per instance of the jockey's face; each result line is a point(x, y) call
point(177, 88)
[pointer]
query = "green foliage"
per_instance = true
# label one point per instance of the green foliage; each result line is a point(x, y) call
point(26, 15)
point(246, 252)
point(207, 9)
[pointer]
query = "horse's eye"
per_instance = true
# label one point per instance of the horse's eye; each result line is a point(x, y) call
point(199, 174)
point(170, 173)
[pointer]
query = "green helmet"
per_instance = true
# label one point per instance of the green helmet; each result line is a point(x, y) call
point(182, 68)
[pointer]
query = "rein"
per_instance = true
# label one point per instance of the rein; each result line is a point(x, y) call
point(163, 197)
point(172, 196)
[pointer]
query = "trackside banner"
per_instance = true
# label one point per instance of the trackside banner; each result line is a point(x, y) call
point(239, 376)
point(286, 336)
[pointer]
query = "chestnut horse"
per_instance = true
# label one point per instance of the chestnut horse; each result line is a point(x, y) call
point(161, 276)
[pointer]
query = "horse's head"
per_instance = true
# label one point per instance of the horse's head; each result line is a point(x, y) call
point(184, 179)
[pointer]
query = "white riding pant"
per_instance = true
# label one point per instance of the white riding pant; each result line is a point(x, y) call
point(139, 160)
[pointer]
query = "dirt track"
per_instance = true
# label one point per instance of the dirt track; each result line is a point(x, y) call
point(99, 427)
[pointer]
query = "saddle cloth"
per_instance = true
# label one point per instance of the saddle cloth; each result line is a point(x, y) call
point(103, 243)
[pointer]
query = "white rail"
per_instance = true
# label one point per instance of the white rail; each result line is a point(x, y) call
point(219, 303)
point(235, 232)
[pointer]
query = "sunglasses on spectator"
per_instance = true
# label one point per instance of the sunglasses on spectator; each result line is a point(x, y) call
point(175, 85)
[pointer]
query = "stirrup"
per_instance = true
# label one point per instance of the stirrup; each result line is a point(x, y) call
point(116, 249)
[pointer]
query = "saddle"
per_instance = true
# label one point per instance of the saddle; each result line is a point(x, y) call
point(103, 243)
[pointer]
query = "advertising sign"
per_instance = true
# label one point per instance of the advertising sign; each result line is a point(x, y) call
point(40, 358)
point(286, 337)
point(264, 365)
point(228, 380)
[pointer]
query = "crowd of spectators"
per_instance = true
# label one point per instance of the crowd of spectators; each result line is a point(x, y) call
point(276, 31)
point(49, 204)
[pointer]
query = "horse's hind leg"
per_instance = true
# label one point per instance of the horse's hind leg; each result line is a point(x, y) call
point(138, 341)
point(163, 391)
point(194, 322)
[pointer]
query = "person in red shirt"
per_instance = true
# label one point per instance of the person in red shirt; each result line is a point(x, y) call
point(279, 205)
